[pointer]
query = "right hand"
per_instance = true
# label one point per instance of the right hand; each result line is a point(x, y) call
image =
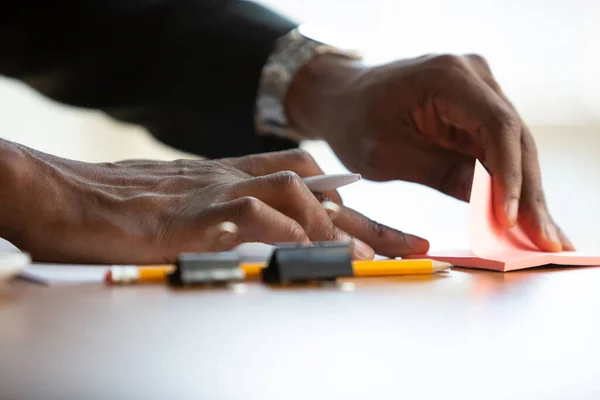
point(427, 120)
point(144, 212)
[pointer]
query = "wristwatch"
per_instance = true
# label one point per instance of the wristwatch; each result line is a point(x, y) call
point(292, 52)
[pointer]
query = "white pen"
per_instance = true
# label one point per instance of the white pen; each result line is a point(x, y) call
point(325, 183)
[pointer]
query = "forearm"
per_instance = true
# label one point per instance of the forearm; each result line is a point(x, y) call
point(186, 70)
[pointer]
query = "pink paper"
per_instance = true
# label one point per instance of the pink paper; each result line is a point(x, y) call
point(495, 248)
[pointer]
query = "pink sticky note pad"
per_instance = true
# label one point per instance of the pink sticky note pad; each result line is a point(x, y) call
point(495, 248)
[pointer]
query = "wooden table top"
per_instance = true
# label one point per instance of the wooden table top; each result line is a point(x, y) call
point(466, 334)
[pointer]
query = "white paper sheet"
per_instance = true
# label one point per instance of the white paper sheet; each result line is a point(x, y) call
point(68, 274)
point(64, 274)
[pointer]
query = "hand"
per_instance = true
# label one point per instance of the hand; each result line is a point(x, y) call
point(425, 120)
point(149, 212)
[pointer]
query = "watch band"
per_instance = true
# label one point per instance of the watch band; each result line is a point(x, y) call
point(292, 52)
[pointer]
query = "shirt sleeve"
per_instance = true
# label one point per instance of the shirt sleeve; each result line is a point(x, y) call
point(186, 70)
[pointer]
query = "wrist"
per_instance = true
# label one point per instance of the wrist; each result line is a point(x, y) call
point(318, 92)
point(13, 161)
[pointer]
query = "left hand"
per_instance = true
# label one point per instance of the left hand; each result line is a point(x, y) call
point(149, 212)
point(425, 120)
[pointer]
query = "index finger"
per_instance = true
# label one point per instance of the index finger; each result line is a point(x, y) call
point(384, 240)
point(297, 160)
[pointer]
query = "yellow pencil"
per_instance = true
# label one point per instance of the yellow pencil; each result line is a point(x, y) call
point(375, 268)
point(371, 268)
point(398, 267)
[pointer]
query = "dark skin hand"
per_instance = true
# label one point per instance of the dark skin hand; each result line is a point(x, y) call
point(426, 120)
point(145, 212)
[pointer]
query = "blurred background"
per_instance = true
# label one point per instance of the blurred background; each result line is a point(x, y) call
point(544, 54)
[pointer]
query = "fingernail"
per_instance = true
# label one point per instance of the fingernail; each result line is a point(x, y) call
point(512, 212)
point(227, 233)
point(568, 245)
point(332, 209)
point(566, 242)
point(551, 233)
point(362, 250)
point(228, 227)
point(418, 244)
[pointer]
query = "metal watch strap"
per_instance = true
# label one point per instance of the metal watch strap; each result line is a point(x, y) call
point(292, 52)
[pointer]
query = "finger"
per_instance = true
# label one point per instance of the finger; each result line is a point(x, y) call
point(540, 226)
point(223, 236)
point(384, 240)
point(299, 161)
point(504, 155)
point(534, 217)
point(567, 245)
point(333, 210)
point(213, 229)
point(475, 107)
point(286, 192)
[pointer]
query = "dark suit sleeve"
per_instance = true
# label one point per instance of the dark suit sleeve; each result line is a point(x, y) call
point(187, 70)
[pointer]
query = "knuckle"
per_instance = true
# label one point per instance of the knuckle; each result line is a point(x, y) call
point(378, 230)
point(539, 198)
point(534, 205)
point(288, 180)
point(296, 231)
point(248, 207)
point(338, 235)
point(302, 156)
point(506, 123)
point(528, 145)
point(250, 163)
point(515, 175)
point(446, 68)
point(479, 60)
point(510, 122)
point(449, 61)
point(318, 224)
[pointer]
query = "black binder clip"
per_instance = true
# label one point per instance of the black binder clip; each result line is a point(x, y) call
point(205, 269)
point(319, 261)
